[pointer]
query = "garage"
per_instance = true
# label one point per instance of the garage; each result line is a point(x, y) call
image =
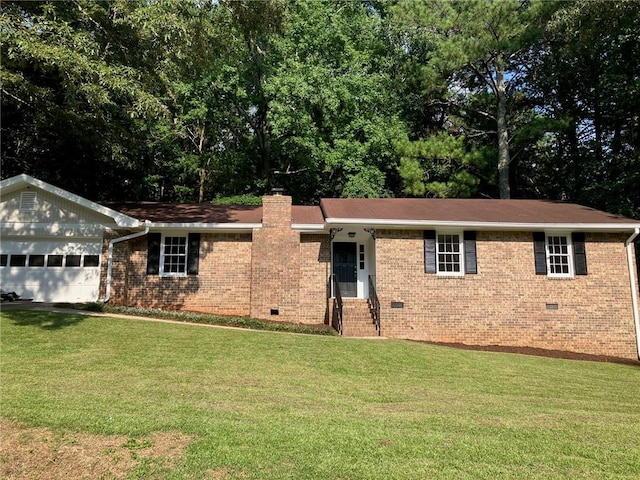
point(52, 271)
point(51, 247)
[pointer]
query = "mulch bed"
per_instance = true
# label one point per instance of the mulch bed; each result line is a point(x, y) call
point(540, 352)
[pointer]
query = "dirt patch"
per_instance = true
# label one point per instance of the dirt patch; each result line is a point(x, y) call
point(39, 453)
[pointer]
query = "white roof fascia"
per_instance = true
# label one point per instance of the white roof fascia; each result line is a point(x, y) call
point(309, 227)
point(205, 227)
point(18, 181)
point(524, 226)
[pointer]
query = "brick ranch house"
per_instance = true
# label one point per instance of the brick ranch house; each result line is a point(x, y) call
point(523, 273)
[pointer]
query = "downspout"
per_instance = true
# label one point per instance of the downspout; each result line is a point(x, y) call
point(113, 241)
point(634, 286)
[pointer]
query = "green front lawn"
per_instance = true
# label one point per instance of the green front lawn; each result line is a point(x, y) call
point(267, 405)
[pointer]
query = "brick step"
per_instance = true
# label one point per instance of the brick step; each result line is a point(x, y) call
point(356, 319)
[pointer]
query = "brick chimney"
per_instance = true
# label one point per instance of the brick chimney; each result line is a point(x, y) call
point(276, 211)
point(275, 263)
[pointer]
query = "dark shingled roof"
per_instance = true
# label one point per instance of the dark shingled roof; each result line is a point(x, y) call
point(303, 215)
point(466, 210)
point(160, 212)
point(387, 210)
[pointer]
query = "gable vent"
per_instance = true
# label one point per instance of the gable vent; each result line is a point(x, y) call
point(27, 201)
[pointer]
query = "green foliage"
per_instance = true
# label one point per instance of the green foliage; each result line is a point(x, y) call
point(471, 49)
point(244, 199)
point(184, 100)
point(333, 115)
point(588, 88)
point(441, 166)
point(69, 97)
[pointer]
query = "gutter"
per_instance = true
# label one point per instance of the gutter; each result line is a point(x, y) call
point(206, 227)
point(113, 241)
point(634, 287)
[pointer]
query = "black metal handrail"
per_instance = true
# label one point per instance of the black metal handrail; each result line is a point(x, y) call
point(337, 305)
point(374, 303)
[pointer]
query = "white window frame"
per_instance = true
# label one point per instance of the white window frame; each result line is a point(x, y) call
point(568, 254)
point(185, 255)
point(460, 252)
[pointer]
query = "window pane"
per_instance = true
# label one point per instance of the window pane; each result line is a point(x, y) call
point(54, 260)
point(36, 260)
point(17, 260)
point(174, 255)
point(558, 255)
point(91, 260)
point(449, 257)
point(3, 260)
point(73, 260)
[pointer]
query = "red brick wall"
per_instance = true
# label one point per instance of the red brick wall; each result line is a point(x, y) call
point(506, 302)
point(315, 268)
point(118, 268)
point(239, 274)
point(222, 285)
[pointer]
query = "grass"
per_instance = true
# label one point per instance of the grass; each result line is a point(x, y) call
point(262, 405)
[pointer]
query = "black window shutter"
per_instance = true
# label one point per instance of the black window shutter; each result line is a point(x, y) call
point(429, 251)
point(540, 253)
point(153, 254)
point(579, 253)
point(193, 253)
point(470, 258)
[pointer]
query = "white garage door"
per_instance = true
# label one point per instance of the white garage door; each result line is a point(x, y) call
point(51, 270)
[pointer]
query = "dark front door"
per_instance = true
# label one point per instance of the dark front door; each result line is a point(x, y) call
point(345, 267)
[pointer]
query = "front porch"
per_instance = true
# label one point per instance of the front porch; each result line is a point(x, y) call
point(355, 308)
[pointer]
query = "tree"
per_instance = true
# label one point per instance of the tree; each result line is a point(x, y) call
point(334, 112)
point(587, 87)
point(71, 95)
point(191, 48)
point(475, 47)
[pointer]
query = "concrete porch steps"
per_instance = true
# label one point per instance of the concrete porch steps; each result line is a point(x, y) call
point(356, 318)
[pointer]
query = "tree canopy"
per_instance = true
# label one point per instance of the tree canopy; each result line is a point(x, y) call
point(219, 100)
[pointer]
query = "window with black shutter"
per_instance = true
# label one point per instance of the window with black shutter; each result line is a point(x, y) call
point(173, 255)
point(450, 253)
point(560, 255)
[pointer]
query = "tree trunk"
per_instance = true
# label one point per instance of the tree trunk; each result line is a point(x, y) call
point(203, 171)
point(264, 137)
point(503, 135)
point(203, 177)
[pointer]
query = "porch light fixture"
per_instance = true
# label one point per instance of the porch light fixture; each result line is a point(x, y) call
point(352, 234)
